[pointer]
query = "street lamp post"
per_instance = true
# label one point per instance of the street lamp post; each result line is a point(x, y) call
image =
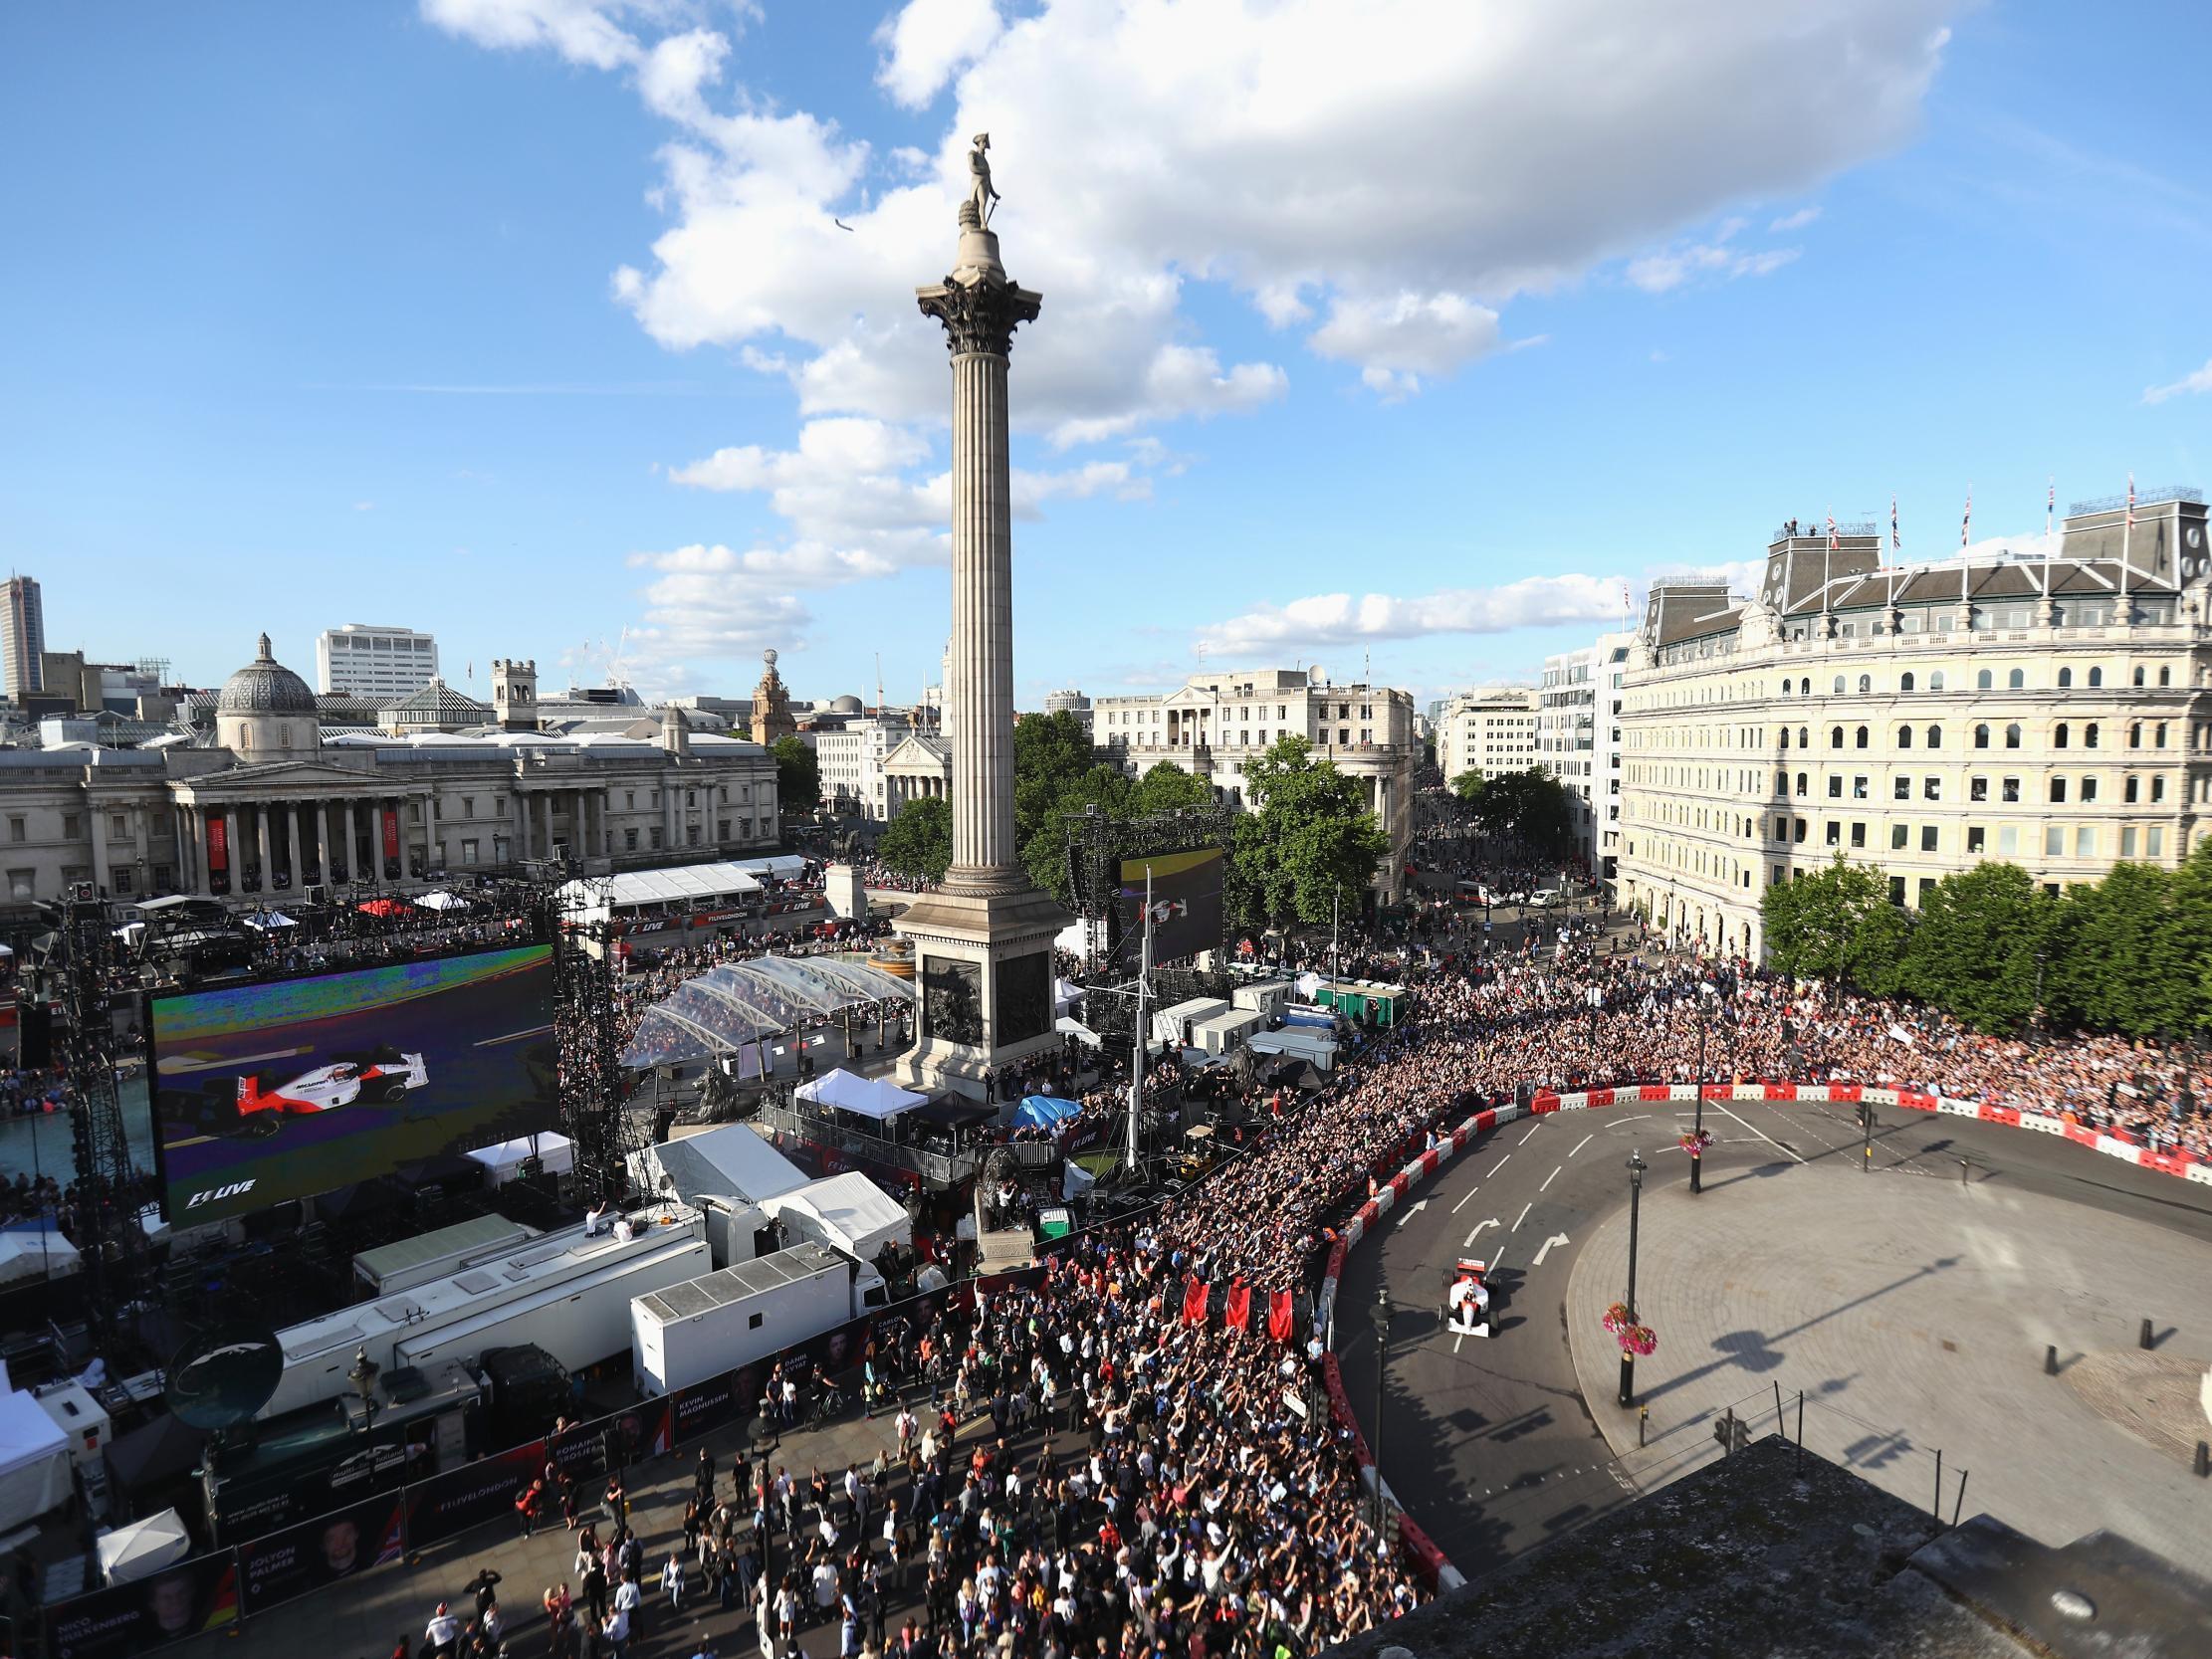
point(1381, 1358)
point(1636, 1167)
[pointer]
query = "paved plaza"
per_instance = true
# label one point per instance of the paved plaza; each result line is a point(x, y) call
point(1915, 1312)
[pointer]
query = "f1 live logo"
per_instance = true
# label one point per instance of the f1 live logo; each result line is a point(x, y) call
point(215, 1194)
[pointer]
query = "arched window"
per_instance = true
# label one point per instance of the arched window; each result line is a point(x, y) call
point(2158, 788)
point(1904, 736)
point(1839, 692)
point(2165, 675)
point(1936, 680)
point(2135, 734)
point(1865, 683)
point(2128, 790)
point(1904, 681)
point(1981, 736)
point(2089, 735)
point(2012, 736)
point(1860, 741)
point(1935, 737)
point(2066, 679)
point(2058, 736)
point(1804, 738)
point(1982, 681)
point(1805, 687)
point(2057, 791)
point(2017, 679)
point(1801, 783)
point(2138, 676)
point(1785, 736)
point(2096, 678)
point(1835, 737)
point(2159, 735)
point(2089, 791)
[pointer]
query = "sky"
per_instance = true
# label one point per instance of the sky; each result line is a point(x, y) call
point(1402, 337)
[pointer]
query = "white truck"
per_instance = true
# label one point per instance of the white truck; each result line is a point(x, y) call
point(690, 1332)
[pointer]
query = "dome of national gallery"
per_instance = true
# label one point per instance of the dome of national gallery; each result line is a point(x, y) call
point(265, 687)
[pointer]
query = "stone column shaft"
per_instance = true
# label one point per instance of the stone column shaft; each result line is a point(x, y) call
point(982, 692)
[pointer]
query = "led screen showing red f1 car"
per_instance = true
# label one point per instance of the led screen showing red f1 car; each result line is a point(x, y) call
point(287, 1087)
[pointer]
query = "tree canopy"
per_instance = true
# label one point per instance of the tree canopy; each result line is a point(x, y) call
point(1469, 784)
point(798, 775)
point(1837, 923)
point(1307, 839)
point(1531, 807)
point(918, 843)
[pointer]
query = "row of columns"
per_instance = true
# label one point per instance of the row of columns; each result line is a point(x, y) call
point(300, 837)
point(905, 789)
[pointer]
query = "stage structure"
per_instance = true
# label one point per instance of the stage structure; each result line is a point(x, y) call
point(110, 1238)
point(594, 1086)
point(1102, 851)
point(983, 943)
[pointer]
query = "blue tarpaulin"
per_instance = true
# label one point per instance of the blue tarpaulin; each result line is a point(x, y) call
point(1043, 1111)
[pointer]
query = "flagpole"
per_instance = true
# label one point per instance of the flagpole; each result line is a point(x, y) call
point(2127, 538)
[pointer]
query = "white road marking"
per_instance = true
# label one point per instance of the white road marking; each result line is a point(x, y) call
point(1455, 1341)
point(1463, 1203)
point(1755, 1129)
point(1532, 1129)
point(1418, 1206)
point(1548, 1179)
point(1523, 1216)
point(1499, 1164)
point(1544, 1249)
point(1468, 1242)
point(1584, 1141)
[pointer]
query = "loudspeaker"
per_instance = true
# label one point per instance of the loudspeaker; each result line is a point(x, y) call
point(35, 1036)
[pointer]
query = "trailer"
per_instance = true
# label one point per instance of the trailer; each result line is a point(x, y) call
point(690, 1332)
point(567, 1291)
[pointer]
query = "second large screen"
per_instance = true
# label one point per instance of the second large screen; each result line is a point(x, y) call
point(292, 1087)
point(1191, 880)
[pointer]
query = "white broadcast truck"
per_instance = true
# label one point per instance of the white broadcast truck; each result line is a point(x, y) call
point(698, 1330)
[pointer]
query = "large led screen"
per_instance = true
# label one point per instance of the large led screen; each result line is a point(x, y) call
point(292, 1087)
point(1190, 884)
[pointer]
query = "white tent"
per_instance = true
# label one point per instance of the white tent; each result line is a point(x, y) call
point(36, 1254)
point(142, 1549)
point(34, 1461)
point(1065, 995)
point(1077, 1029)
point(1073, 938)
point(442, 901)
point(735, 1160)
point(504, 1162)
point(865, 1097)
point(269, 921)
point(847, 1213)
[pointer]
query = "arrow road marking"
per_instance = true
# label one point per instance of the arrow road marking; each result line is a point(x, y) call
point(1761, 1133)
point(1523, 1216)
point(1468, 1242)
point(1544, 1249)
point(1418, 1205)
point(1548, 1179)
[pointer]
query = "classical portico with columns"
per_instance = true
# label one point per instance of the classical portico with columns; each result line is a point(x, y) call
point(272, 810)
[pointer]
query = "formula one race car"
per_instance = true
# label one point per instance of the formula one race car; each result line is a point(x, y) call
point(1466, 1305)
point(381, 1078)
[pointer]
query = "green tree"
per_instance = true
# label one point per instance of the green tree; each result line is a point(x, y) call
point(799, 776)
point(1055, 772)
point(1044, 849)
point(1469, 786)
point(1308, 838)
point(1168, 789)
point(1836, 924)
point(1973, 950)
point(2185, 950)
point(918, 843)
point(1531, 807)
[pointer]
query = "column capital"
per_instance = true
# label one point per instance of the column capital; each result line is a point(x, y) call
point(978, 315)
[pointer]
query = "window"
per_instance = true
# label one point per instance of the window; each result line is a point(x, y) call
point(18, 830)
point(2089, 735)
point(1977, 789)
point(2010, 790)
point(119, 827)
point(2057, 791)
point(1900, 789)
point(1904, 736)
point(2053, 841)
point(1858, 835)
point(2008, 839)
point(2154, 841)
point(2128, 790)
point(691, 835)
point(1897, 834)
point(2084, 841)
point(1896, 891)
point(1904, 681)
point(2135, 733)
point(468, 852)
point(468, 806)
point(1836, 786)
point(1785, 736)
point(71, 827)
point(1797, 830)
point(1839, 684)
point(2012, 736)
point(1935, 737)
point(2166, 675)
point(2058, 735)
point(1801, 783)
point(1974, 834)
point(1835, 833)
point(2017, 679)
point(656, 838)
point(2096, 678)
point(1931, 788)
point(1858, 789)
point(2138, 677)
point(629, 841)
point(2158, 735)
point(1927, 838)
point(2066, 679)
point(1835, 737)
point(1860, 738)
point(2157, 789)
point(1981, 736)
point(1936, 680)
point(2089, 791)
point(22, 885)
point(2127, 841)
point(1982, 681)
point(1781, 783)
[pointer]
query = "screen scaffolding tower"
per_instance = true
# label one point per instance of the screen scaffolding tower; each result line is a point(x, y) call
point(587, 1033)
point(1098, 845)
point(110, 1189)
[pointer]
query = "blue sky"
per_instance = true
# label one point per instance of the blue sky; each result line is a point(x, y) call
point(1403, 330)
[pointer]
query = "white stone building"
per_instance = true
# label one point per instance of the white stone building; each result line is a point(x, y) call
point(2052, 710)
point(379, 664)
point(273, 805)
point(1489, 730)
point(1213, 724)
point(853, 757)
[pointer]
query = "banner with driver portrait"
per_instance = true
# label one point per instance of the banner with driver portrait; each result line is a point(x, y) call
point(174, 1605)
point(282, 1565)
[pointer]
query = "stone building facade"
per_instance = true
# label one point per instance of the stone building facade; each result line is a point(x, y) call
point(2052, 710)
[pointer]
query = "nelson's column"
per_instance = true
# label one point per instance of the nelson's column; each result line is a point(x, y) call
point(982, 945)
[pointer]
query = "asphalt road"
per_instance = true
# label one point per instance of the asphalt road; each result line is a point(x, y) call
point(1487, 1442)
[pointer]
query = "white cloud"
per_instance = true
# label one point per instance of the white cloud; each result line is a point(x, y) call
point(1659, 273)
point(931, 41)
point(1794, 221)
point(1326, 157)
point(1324, 619)
point(2188, 384)
point(364, 507)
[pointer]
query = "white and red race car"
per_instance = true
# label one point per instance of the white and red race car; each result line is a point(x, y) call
point(1467, 1301)
point(378, 1078)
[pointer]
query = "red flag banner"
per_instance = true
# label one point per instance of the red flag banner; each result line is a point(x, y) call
point(1279, 1316)
point(218, 843)
point(1195, 1293)
point(1237, 1314)
point(391, 831)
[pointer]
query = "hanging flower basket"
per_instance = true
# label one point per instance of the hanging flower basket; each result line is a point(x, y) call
point(1694, 1141)
point(1638, 1339)
point(1617, 1318)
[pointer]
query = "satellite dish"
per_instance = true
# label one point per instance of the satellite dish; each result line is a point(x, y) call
point(221, 1377)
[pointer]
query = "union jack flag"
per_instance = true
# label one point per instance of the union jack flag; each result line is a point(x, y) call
point(1966, 525)
point(1832, 543)
point(1895, 543)
point(2131, 500)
